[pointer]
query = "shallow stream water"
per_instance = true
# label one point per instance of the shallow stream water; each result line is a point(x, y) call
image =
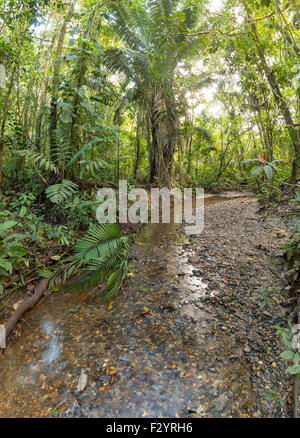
point(153, 354)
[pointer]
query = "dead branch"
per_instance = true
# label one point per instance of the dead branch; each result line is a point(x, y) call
point(39, 291)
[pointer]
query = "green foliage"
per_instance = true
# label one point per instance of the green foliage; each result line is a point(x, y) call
point(274, 395)
point(11, 248)
point(37, 160)
point(265, 166)
point(291, 354)
point(24, 201)
point(264, 297)
point(23, 234)
point(58, 193)
point(101, 255)
point(293, 245)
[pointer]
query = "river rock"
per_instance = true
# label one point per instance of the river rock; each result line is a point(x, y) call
point(82, 381)
point(221, 402)
point(194, 259)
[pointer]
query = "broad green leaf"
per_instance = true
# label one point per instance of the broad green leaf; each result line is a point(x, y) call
point(268, 171)
point(7, 225)
point(5, 264)
point(256, 170)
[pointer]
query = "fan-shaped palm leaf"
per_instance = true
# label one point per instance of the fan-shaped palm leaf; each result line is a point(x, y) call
point(99, 256)
point(98, 242)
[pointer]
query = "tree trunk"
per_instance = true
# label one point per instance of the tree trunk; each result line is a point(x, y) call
point(3, 123)
point(137, 147)
point(164, 138)
point(281, 103)
point(39, 119)
point(55, 82)
point(28, 102)
point(81, 68)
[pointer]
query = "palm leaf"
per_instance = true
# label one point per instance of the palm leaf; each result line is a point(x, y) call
point(58, 193)
point(98, 242)
point(115, 282)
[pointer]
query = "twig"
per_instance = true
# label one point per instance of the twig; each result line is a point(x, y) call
point(277, 275)
point(57, 406)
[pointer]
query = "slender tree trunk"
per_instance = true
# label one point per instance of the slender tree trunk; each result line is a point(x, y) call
point(150, 149)
point(189, 148)
point(137, 146)
point(39, 118)
point(116, 121)
point(32, 82)
point(4, 116)
point(81, 69)
point(263, 134)
point(281, 103)
point(55, 82)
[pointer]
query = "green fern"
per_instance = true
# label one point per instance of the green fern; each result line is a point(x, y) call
point(91, 167)
point(58, 193)
point(100, 256)
point(63, 151)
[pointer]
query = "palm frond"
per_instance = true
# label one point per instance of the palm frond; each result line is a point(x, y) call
point(98, 241)
point(58, 193)
point(38, 159)
point(99, 256)
point(115, 282)
point(63, 150)
point(67, 269)
point(98, 270)
point(126, 23)
point(162, 9)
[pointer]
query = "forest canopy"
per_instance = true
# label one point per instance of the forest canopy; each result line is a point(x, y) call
point(152, 91)
point(115, 114)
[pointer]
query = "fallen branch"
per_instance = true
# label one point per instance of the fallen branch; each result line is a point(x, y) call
point(39, 291)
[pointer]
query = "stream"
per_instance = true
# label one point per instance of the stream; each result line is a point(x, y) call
point(154, 354)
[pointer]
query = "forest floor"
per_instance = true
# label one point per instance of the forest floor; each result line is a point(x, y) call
point(184, 337)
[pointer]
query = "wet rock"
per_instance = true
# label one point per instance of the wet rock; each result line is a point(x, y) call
point(82, 381)
point(234, 357)
point(267, 314)
point(167, 309)
point(72, 311)
point(125, 358)
point(221, 402)
point(194, 259)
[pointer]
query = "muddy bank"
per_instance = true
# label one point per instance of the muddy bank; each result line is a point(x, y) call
point(184, 335)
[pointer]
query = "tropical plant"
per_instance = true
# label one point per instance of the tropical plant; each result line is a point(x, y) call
point(263, 165)
point(38, 160)
point(24, 201)
point(274, 395)
point(11, 250)
point(156, 37)
point(100, 256)
point(58, 193)
point(290, 338)
point(293, 245)
point(264, 297)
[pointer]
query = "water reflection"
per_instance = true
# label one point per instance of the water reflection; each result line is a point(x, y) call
point(165, 358)
point(54, 343)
